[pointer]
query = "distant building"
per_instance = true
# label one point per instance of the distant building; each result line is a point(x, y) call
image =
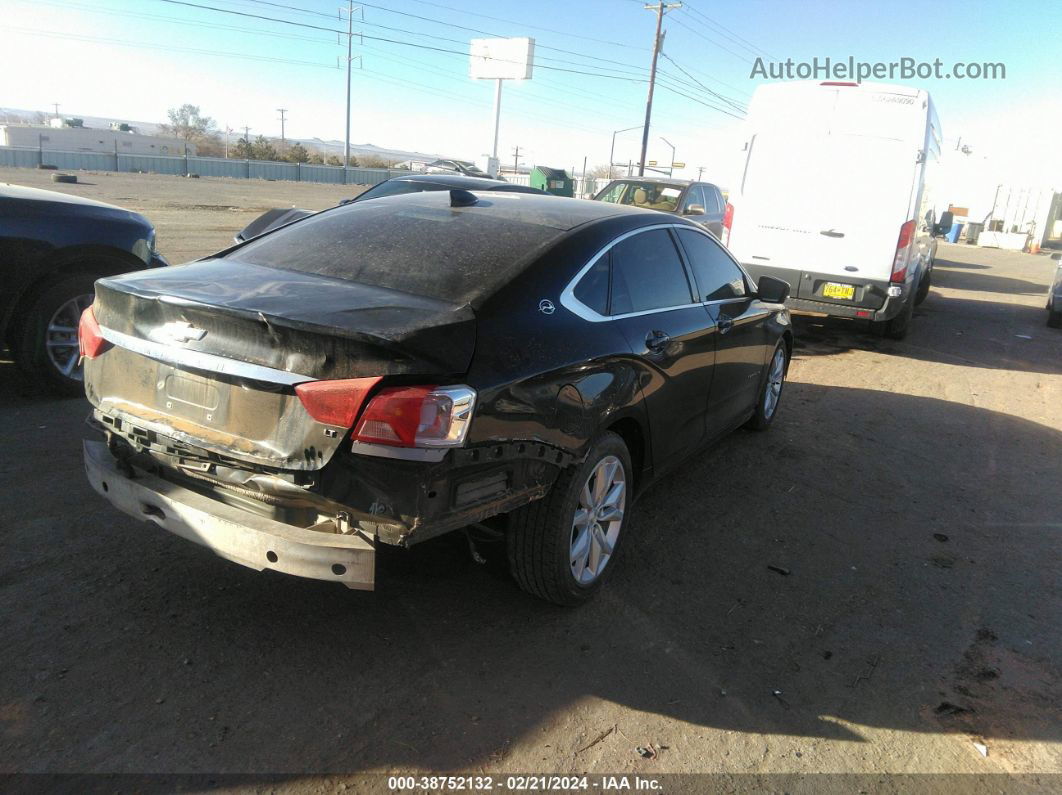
point(86, 139)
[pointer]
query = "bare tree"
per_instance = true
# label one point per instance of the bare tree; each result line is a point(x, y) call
point(188, 124)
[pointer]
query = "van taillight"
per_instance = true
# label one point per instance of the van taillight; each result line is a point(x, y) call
point(899, 262)
point(90, 341)
point(417, 416)
point(839, 83)
point(728, 222)
point(335, 402)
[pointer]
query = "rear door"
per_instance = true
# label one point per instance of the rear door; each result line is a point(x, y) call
point(714, 206)
point(652, 301)
point(741, 324)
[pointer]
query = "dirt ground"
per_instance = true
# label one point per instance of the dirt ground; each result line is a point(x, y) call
point(192, 217)
point(909, 489)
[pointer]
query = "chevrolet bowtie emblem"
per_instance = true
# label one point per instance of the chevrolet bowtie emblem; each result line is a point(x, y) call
point(180, 331)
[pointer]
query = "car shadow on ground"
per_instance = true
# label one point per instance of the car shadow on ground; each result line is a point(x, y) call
point(901, 597)
point(957, 276)
point(959, 331)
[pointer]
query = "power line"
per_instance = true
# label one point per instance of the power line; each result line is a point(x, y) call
point(714, 43)
point(434, 21)
point(173, 48)
point(734, 37)
point(392, 41)
point(525, 24)
point(733, 103)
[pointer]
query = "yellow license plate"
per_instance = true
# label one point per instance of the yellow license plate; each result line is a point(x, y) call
point(845, 291)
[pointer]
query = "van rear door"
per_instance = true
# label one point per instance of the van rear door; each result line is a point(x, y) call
point(828, 183)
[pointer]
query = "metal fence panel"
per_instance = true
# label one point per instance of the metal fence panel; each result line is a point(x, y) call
point(22, 157)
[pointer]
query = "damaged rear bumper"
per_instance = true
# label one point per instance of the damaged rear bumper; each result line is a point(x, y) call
point(250, 540)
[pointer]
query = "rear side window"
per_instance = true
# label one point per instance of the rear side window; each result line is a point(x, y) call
point(647, 274)
point(592, 289)
point(716, 274)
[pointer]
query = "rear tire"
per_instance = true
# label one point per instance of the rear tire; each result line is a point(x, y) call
point(897, 328)
point(923, 287)
point(553, 543)
point(47, 347)
point(1054, 317)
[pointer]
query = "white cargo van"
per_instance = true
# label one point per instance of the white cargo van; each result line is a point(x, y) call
point(836, 198)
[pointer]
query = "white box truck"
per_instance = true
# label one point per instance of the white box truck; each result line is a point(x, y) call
point(836, 198)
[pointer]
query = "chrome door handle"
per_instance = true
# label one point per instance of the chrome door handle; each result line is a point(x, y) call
point(656, 341)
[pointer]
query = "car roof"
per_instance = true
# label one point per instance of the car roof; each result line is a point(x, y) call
point(465, 182)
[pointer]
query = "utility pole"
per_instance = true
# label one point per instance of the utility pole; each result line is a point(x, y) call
point(350, 58)
point(56, 105)
point(516, 155)
point(660, 8)
point(700, 172)
point(247, 134)
point(282, 111)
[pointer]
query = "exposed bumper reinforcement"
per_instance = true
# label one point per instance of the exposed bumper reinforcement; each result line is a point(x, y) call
point(244, 538)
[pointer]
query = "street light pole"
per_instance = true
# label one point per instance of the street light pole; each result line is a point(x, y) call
point(612, 151)
point(670, 168)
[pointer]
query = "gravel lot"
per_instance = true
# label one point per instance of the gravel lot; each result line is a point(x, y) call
point(909, 488)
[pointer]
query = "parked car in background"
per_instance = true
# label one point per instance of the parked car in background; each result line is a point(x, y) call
point(699, 201)
point(409, 183)
point(1054, 297)
point(387, 371)
point(837, 198)
point(457, 167)
point(53, 246)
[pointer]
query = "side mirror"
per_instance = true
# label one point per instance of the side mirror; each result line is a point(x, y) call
point(694, 209)
point(772, 290)
point(944, 224)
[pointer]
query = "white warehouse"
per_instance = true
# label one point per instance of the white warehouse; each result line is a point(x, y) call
point(86, 139)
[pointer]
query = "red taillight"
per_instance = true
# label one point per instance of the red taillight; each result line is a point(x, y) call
point(335, 402)
point(90, 341)
point(839, 83)
point(417, 416)
point(899, 262)
point(728, 222)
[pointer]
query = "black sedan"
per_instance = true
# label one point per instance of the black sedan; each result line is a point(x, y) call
point(53, 246)
point(409, 183)
point(388, 371)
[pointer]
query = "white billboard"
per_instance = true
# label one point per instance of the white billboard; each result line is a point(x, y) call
point(502, 59)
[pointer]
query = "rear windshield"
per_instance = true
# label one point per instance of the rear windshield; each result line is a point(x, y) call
point(396, 187)
point(407, 243)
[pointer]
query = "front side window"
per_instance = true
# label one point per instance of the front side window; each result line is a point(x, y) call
point(695, 196)
point(647, 274)
point(716, 274)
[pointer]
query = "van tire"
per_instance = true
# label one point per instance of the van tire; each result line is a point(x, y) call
point(923, 287)
point(897, 328)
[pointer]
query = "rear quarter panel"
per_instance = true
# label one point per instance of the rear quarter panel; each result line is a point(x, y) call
point(552, 376)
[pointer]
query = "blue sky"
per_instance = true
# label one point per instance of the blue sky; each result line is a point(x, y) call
point(135, 58)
